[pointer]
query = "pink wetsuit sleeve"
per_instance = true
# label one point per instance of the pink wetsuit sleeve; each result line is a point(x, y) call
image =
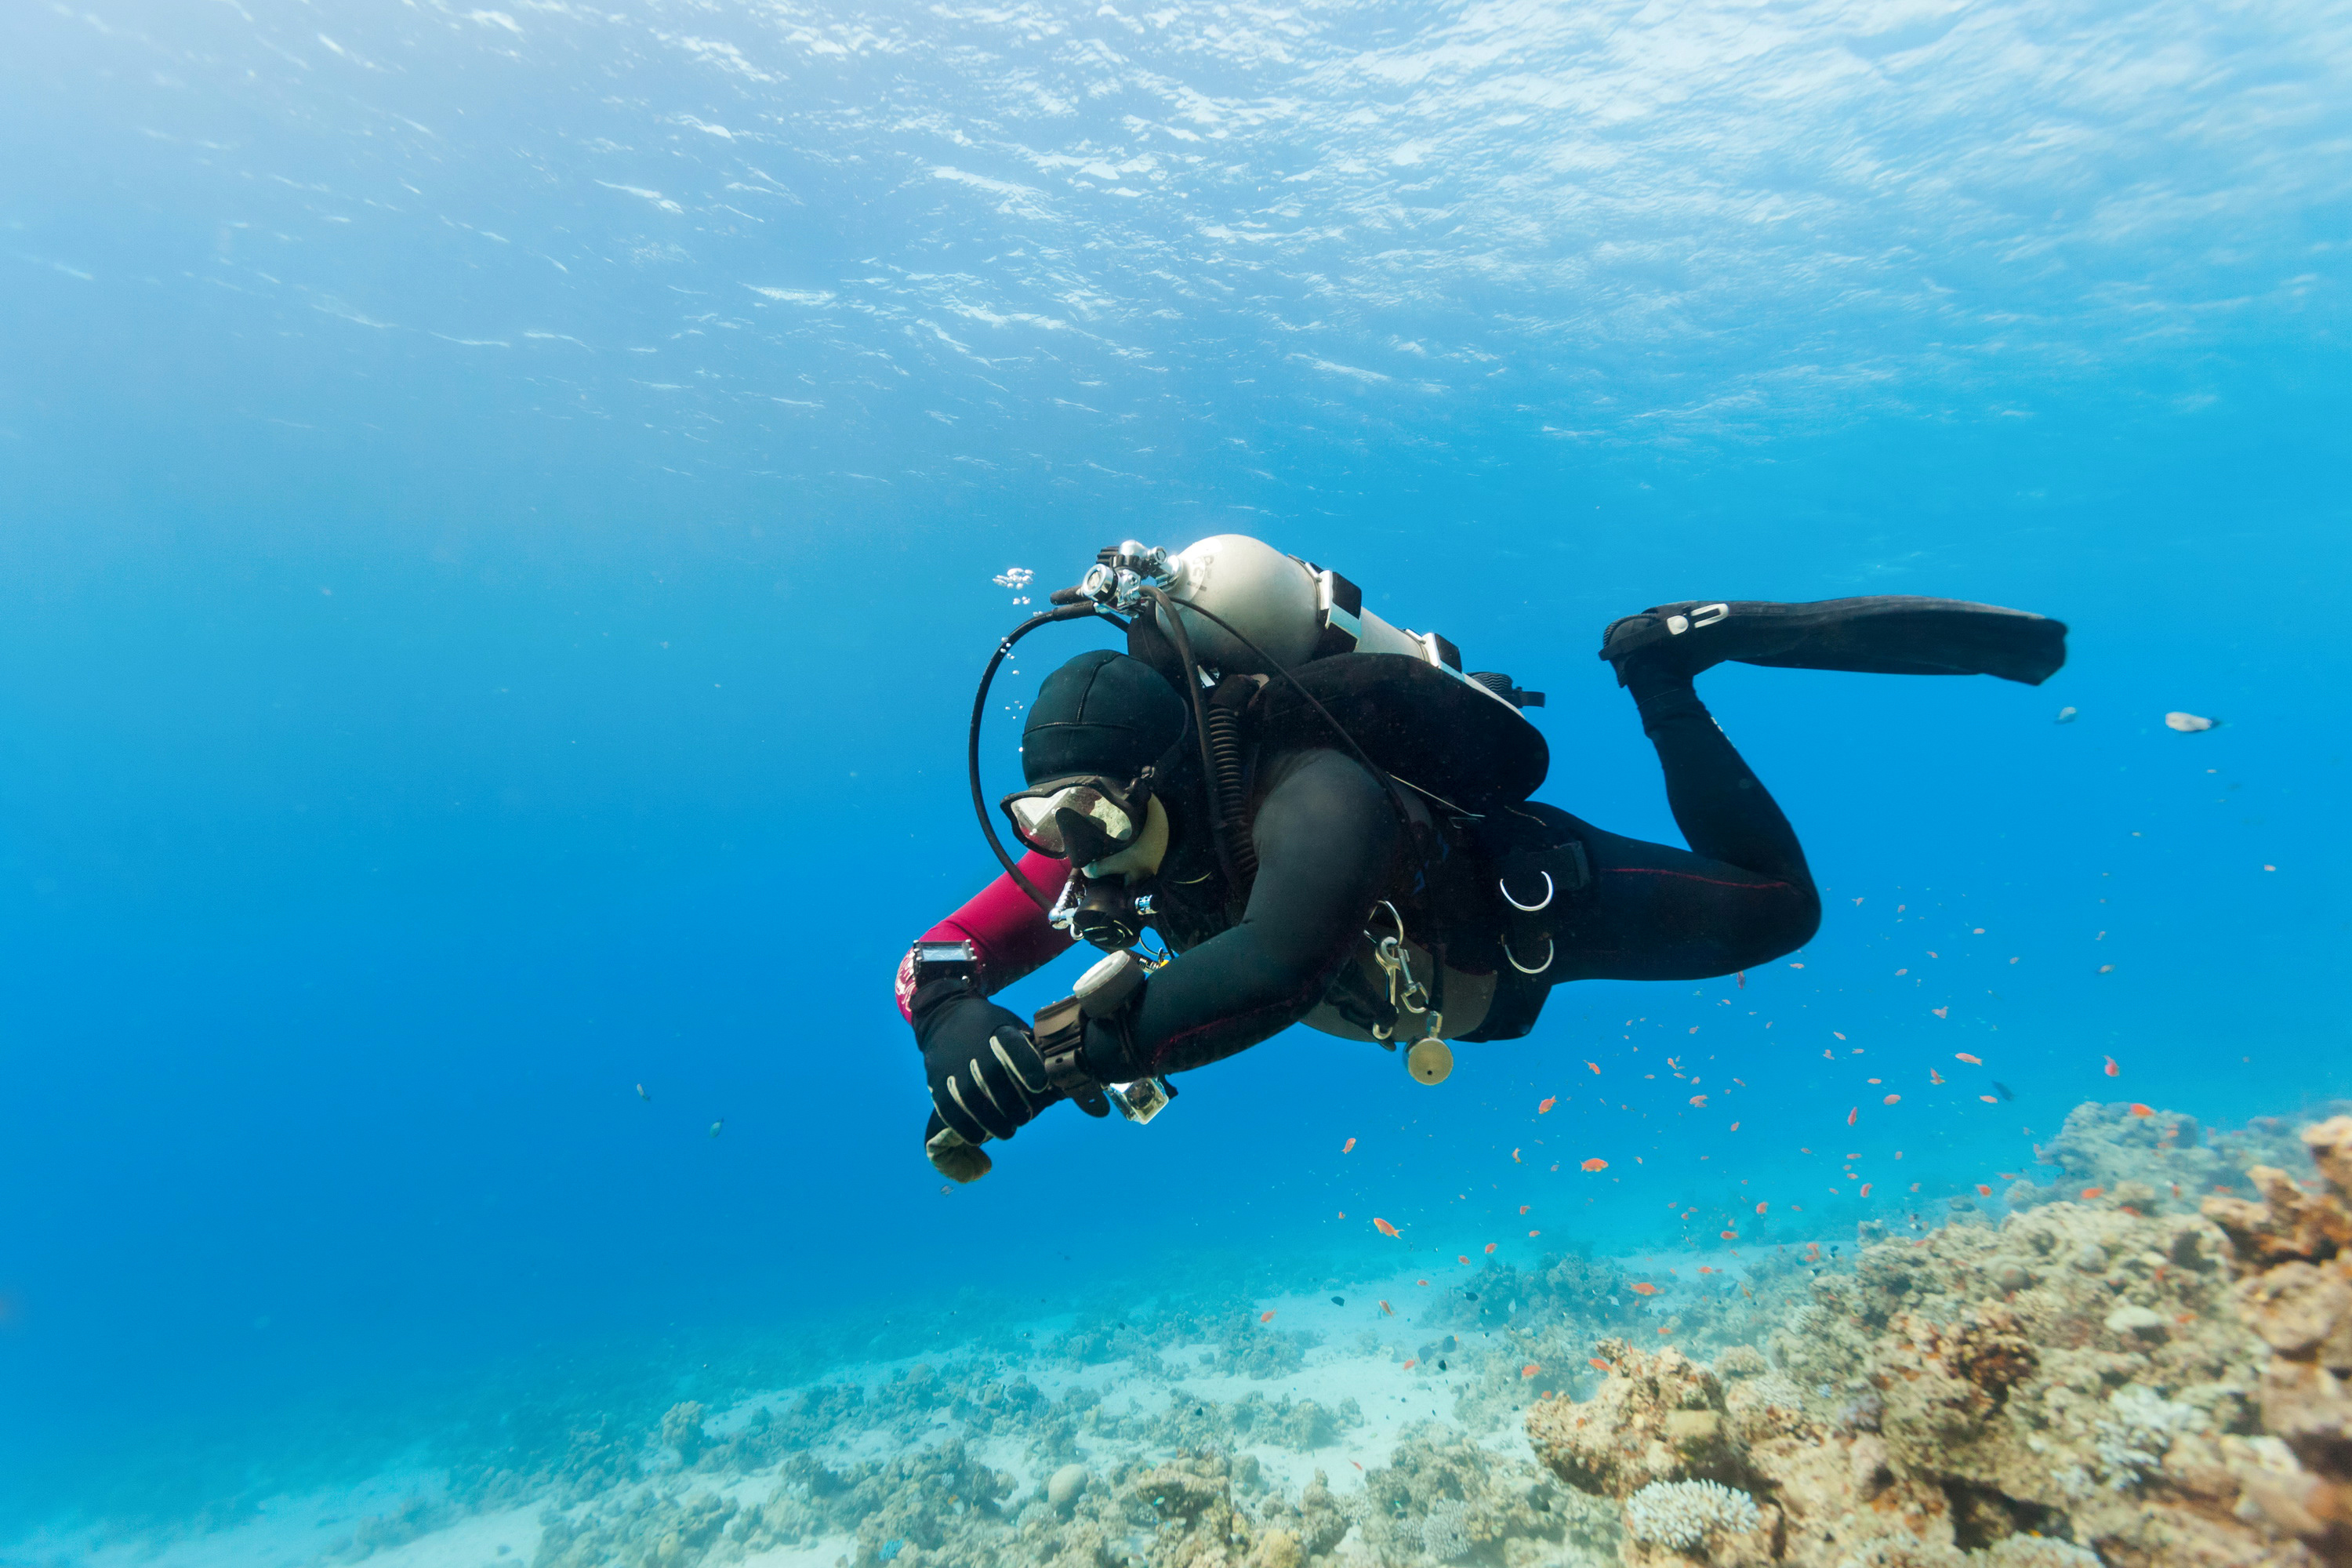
point(1004, 926)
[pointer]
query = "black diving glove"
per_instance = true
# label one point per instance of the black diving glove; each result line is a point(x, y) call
point(985, 1075)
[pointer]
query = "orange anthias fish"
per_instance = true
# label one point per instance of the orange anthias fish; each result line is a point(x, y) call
point(1531, 1368)
point(1348, 1147)
point(1524, 1207)
point(1387, 1310)
point(1940, 1012)
point(1596, 1164)
point(1596, 1363)
point(1891, 1098)
point(1703, 1268)
point(1595, 1067)
point(1853, 1116)
point(1267, 1316)
point(2090, 1193)
point(1546, 1103)
point(1383, 1227)
point(2113, 1070)
point(1762, 1207)
point(1643, 1288)
point(1490, 1246)
point(1983, 1191)
point(2139, 1110)
point(1729, 1235)
point(1421, 1281)
point(1964, 1056)
point(1514, 1158)
point(1459, 1258)
point(1410, 1364)
point(1935, 1076)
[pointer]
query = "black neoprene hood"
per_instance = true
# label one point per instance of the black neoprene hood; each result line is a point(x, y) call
point(1102, 714)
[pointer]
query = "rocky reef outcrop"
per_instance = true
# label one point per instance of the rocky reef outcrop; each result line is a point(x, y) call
point(2294, 1258)
point(2094, 1381)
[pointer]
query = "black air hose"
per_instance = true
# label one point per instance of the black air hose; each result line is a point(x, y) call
point(1225, 762)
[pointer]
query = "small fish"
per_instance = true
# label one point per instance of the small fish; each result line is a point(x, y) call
point(1644, 1287)
point(1338, 1300)
point(1409, 1365)
point(2187, 723)
point(2113, 1070)
point(1941, 1012)
point(1358, 1463)
point(1514, 1158)
point(1762, 1207)
point(1983, 1191)
point(1853, 1116)
point(716, 1125)
point(1546, 1104)
point(1891, 1098)
point(1595, 1363)
point(1935, 1076)
point(643, 1095)
point(1441, 1363)
point(1525, 1208)
point(1865, 1191)
point(1595, 1067)
point(1267, 1316)
point(2090, 1193)
point(1348, 1147)
point(1989, 1099)
point(1533, 1234)
point(1699, 1100)
point(1731, 1234)
point(2065, 716)
point(1421, 1281)
point(948, 1188)
point(2139, 1110)
point(1964, 1056)
point(1387, 1310)
point(1596, 1163)
point(1459, 1258)
point(1531, 1368)
point(1383, 1227)
point(2002, 1090)
point(1490, 1246)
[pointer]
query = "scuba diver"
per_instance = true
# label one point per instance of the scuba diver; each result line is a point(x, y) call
point(1324, 820)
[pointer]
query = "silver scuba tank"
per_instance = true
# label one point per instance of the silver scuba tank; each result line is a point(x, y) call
point(1293, 610)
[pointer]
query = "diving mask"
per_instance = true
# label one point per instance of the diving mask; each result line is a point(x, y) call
point(1081, 820)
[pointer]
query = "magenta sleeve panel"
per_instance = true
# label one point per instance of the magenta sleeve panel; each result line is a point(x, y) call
point(1005, 925)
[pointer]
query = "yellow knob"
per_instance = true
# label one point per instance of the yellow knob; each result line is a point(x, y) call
point(1430, 1060)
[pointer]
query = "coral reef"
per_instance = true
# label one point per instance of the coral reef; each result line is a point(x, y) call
point(1684, 1514)
point(2295, 1290)
point(2161, 1161)
point(2073, 1386)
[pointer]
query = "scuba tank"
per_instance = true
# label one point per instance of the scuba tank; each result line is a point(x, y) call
point(1326, 669)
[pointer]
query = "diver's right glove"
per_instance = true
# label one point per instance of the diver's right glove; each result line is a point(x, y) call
point(986, 1077)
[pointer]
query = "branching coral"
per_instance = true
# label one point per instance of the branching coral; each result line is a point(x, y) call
point(1682, 1514)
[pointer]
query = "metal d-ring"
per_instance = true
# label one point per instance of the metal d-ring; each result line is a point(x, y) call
point(1550, 953)
point(1502, 884)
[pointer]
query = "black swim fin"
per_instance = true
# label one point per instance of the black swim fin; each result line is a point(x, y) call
point(1893, 634)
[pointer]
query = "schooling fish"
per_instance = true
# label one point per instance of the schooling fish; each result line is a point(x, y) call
point(2188, 723)
point(2065, 716)
point(1338, 1300)
point(716, 1125)
point(643, 1095)
point(2004, 1089)
point(1384, 1228)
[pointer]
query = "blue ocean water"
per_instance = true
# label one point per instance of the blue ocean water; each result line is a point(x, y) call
point(501, 512)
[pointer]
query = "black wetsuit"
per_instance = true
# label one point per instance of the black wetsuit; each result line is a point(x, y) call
point(1330, 847)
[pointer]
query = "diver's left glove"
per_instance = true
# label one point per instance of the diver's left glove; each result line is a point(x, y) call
point(986, 1077)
